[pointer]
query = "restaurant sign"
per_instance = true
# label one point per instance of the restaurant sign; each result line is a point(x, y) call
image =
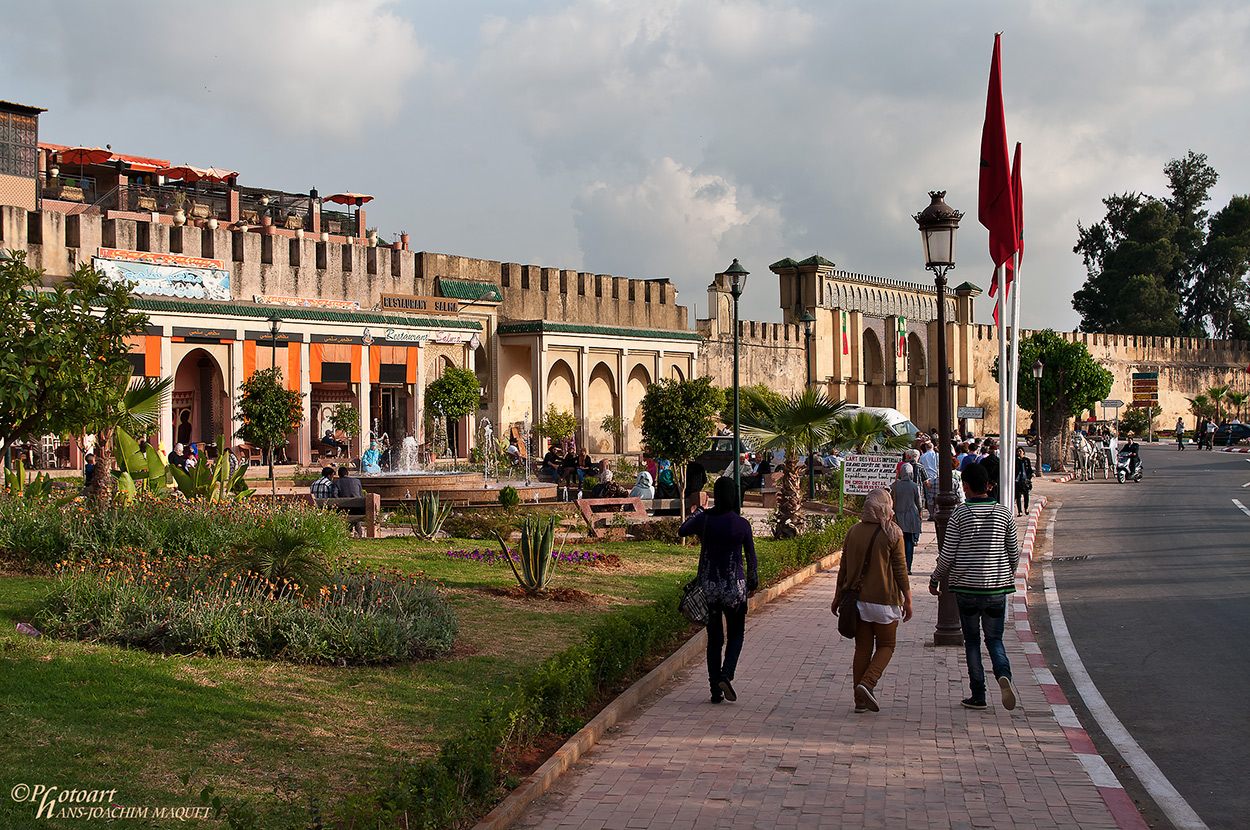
point(405, 336)
point(414, 304)
point(165, 275)
point(306, 302)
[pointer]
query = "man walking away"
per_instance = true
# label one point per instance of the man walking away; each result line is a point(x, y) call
point(978, 560)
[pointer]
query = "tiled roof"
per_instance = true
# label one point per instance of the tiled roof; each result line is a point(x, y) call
point(467, 290)
point(552, 327)
point(320, 315)
point(816, 259)
point(783, 263)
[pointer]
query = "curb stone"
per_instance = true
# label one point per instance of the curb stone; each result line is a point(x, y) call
point(542, 779)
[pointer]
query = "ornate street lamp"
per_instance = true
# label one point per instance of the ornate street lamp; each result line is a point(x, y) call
point(938, 224)
point(1038, 366)
point(807, 320)
point(737, 278)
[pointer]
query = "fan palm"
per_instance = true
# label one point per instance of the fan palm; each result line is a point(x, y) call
point(1216, 395)
point(138, 411)
point(864, 432)
point(792, 424)
point(1238, 400)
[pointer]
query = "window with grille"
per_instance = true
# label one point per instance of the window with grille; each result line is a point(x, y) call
point(19, 145)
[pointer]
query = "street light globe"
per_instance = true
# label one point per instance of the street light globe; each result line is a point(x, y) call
point(1038, 366)
point(938, 224)
point(737, 277)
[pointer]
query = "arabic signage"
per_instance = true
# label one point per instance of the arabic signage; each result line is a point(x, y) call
point(862, 474)
point(1145, 388)
point(302, 302)
point(415, 304)
point(165, 275)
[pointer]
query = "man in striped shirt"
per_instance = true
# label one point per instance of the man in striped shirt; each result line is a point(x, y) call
point(978, 559)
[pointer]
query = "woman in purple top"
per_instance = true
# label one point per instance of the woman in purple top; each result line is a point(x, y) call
point(725, 535)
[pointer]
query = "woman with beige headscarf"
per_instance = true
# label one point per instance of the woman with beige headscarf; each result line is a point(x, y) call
point(884, 597)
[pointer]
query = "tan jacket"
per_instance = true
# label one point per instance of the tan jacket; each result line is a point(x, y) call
point(886, 579)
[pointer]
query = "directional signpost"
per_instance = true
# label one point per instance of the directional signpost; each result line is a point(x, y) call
point(1112, 404)
point(1146, 394)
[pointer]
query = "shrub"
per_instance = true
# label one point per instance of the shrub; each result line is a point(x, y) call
point(360, 616)
point(660, 530)
point(509, 498)
point(478, 525)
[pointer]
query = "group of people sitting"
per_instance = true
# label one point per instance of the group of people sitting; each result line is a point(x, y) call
point(340, 486)
point(568, 469)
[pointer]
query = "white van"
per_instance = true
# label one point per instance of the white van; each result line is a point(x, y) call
point(896, 420)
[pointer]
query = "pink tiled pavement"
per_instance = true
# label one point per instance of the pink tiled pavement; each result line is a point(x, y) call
point(791, 753)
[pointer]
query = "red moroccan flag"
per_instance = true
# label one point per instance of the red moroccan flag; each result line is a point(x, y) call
point(995, 209)
point(1017, 198)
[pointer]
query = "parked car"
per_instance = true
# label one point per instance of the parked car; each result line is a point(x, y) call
point(1232, 433)
point(719, 453)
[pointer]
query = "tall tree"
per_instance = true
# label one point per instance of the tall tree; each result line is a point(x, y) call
point(269, 412)
point(63, 368)
point(1072, 382)
point(678, 416)
point(1155, 266)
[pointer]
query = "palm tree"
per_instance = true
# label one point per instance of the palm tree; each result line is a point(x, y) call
point(139, 410)
point(864, 432)
point(1237, 399)
point(1200, 404)
point(793, 424)
point(1216, 395)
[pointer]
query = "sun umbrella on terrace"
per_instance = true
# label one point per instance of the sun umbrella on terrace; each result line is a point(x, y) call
point(83, 156)
point(196, 174)
point(349, 199)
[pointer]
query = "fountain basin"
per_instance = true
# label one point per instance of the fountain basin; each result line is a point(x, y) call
point(459, 488)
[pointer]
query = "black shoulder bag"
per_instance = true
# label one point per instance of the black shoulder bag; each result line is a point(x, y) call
point(848, 610)
point(693, 605)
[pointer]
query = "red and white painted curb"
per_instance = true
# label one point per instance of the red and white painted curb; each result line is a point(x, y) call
point(1061, 480)
point(1118, 802)
point(1236, 449)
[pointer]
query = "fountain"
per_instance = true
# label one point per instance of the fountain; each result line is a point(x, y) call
point(405, 477)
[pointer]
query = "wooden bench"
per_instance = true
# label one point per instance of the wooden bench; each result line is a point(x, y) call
point(762, 497)
point(599, 512)
point(658, 507)
point(363, 511)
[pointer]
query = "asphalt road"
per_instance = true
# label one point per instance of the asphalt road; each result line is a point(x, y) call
point(1159, 611)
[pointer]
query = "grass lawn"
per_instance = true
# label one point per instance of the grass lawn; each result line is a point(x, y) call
point(79, 715)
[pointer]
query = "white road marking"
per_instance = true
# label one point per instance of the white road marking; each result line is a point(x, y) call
point(1247, 484)
point(1171, 802)
point(1242, 507)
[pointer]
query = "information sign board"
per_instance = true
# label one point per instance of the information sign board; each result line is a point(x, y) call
point(970, 412)
point(864, 473)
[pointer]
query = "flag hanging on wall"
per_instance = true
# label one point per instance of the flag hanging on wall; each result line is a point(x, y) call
point(902, 336)
point(846, 334)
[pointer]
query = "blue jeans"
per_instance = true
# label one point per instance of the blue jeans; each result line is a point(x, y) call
point(909, 545)
point(735, 622)
point(983, 613)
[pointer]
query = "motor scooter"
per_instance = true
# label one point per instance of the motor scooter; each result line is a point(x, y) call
point(1122, 467)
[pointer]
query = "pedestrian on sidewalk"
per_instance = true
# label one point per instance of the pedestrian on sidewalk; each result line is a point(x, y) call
point(906, 494)
point(726, 539)
point(1024, 481)
point(1180, 433)
point(884, 596)
point(978, 558)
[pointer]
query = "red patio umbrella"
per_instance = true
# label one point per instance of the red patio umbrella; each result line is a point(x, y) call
point(350, 199)
point(83, 156)
point(196, 174)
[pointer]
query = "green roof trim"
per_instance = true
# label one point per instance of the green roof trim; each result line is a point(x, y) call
point(783, 263)
point(552, 327)
point(967, 286)
point(318, 315)
point(817, 259)
point(467, 290)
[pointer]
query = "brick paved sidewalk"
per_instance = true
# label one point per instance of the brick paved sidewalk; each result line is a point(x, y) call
point(791, 753)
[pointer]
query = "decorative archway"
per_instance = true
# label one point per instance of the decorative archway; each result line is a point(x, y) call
point(918, 378)
point(201, 403)
point(562, 390)
point(635, 390)
point(600, 404)
point(874, 370)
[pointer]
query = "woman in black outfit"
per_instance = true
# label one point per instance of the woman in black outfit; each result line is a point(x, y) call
point(1024, 481)
point(725, 537)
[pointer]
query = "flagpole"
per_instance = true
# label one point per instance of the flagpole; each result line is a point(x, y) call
point(1015, 364)
point(1004, 421)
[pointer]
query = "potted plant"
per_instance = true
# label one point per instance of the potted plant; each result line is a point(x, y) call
point(180, 213)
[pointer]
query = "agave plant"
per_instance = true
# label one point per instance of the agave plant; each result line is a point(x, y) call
point(537, 554)
point(430, 516)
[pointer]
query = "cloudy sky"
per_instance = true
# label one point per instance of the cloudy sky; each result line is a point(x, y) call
point(660, 138)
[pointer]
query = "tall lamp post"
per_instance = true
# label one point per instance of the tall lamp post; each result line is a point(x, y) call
point(275, 323)
point(737, 278)
point(938, 224)
point(807, 320)
point(1038, 367)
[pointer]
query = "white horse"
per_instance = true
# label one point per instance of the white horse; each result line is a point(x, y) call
point(1083, 457)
